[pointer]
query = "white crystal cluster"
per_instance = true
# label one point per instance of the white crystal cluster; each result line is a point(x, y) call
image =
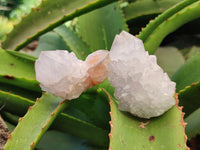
point(64, 75)
point(141, 86)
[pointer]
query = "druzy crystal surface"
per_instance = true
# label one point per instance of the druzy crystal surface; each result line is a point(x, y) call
point(61, 73)
point(141, 86)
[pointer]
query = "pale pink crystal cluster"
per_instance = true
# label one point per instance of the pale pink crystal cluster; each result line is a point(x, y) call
point(141, 86)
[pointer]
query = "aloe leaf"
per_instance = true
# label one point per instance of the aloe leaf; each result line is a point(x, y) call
point(71, 125)
point(39, 118)
point(65, 122)
point(11, 127)
point(24, 56)
point(11, 118)
point(193, 124)
point(57, 12)
point(190, 98)
point(187, 44)
point(50, 41)
point(158, 31)
point(189, 73)
point(147, 31)
point(98, 114)
point(16, 66)
point(164, 132)
point(16, 90)
point(18, 69)
point(106, 23)
point(22, 82)
point(186, 41)
point(23, 8)
point(139, 13)
point(14, 103)
point(74, 42)
point(91, 133)
point(52, 139)
point(193, 51)
point(5, 26)
point(170, 59)
point(149, 7)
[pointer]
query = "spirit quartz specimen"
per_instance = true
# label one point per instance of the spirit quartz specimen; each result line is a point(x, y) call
point(61, 73)
point(64, 75)
point(141, 86)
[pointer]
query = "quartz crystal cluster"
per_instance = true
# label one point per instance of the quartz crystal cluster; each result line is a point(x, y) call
point(141, 86)
point(64, 75)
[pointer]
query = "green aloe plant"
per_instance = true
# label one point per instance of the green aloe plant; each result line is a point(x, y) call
point(93, 120)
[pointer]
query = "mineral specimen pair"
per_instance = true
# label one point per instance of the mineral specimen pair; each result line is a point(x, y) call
point(141, 86)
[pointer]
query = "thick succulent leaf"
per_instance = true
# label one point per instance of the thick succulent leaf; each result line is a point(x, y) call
point(146, 7)
point(9, 117)
point(52, 139)
point(37, 120)
point(139, 13)
point(187, 44)
point(98, 28)
point(157, 21)
point(190, 98)
point(23, 8)
point(170, 59)
point(193, 51)
point(164, 132)
point(5, 26)
point(91, 133)
point(105, 85)
point(18, 69)
point(193, 124)
point(16, 66)
point(185, 40)
point(168, 22)
point(76, 125)
point(16, 90)
point(35, 24)
point(50, 41)
point(11, 127)
point(98, 114)
point(22, 55)
point(74, 42)
point(189, 73)
point(14, 103)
